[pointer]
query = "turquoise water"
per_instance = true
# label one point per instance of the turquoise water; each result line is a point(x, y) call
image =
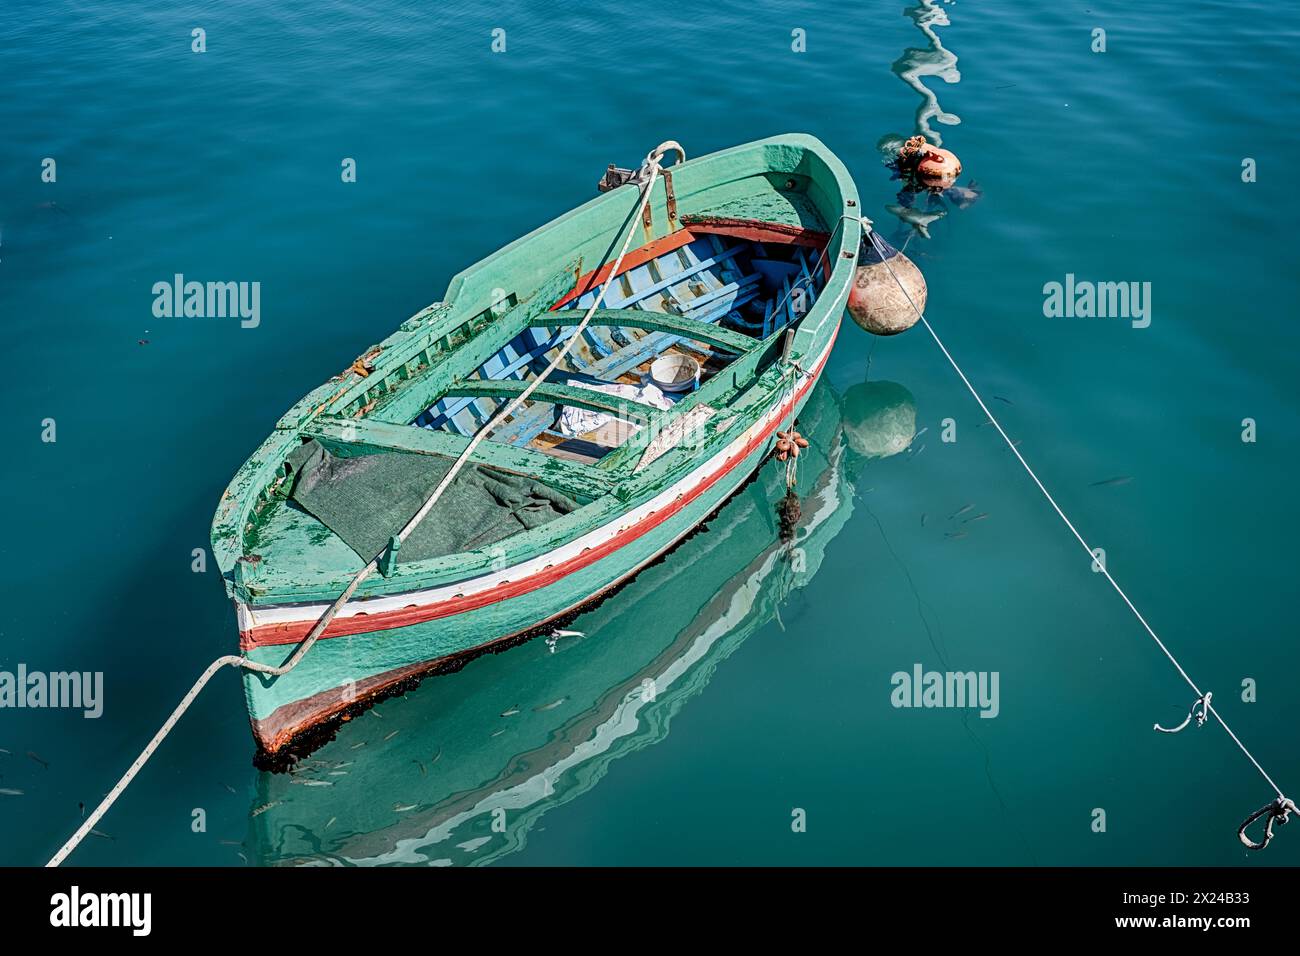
point(1117, 166)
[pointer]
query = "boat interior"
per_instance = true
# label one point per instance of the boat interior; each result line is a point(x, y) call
point(681, 311)
point(707, 298)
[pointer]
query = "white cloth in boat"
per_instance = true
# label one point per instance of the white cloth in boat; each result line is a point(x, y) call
point(579, 421)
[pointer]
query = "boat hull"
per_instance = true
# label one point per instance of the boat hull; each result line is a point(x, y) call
point(367, 655)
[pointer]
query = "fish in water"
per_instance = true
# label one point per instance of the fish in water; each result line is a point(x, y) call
point(37, 758)
point(10, 792)
point(229, 787)
point(318, 783)
point(392, 735)
point(402, 809)
point(511, 712)
point(496, 733)
point(1118, 480)
point(355, 746)
point(230, 843)
point(960, 511)
point(1001, 399)
point(436, 757)
point(979, 517)
point(918, 220)
point(5, 752)
point(423, 772)
point(263, 808)
point(955, 534)
point(922, 519)
point(551, 706)
point(101, 833)
point(331, 823)
point(963, 197)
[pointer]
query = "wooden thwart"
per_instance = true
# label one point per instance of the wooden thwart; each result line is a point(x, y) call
point(558, 394)
point(692, 329)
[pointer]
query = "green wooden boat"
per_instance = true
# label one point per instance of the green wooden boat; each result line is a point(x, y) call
point(710, 337)
point(530, 731)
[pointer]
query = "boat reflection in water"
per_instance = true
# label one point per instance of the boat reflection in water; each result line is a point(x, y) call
point(459, 771)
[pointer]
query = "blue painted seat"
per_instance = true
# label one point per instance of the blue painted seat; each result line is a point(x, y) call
point(703, 280)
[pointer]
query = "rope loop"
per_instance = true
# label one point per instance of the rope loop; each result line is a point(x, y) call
point(1203, 703)
point(1279, 811)
point(655, 155)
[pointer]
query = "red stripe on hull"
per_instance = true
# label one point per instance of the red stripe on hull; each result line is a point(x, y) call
point(294, 631)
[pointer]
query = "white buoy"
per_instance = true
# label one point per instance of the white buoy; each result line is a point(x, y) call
point(875, 301)
point(879, 419)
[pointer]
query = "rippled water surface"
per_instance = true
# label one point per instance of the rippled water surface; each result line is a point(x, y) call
point(772, 684)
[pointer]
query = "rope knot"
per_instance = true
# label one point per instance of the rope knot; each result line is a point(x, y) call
point(1278, 811)
point(1200, 710)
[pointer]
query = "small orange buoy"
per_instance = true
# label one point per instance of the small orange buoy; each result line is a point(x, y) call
point(930, 166)
point(938, 168)
point(789, 444)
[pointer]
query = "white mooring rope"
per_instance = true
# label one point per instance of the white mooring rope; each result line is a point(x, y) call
point(649, 173)
point(1279, 809)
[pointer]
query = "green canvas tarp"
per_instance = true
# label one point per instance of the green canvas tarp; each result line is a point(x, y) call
point(367, 499)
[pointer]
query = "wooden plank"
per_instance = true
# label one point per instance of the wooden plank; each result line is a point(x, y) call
point(528, 424)
point(688, 328)
point(733, 289)
point(756, 230)
point(558, 394)
point(616, 300)
point(423, 390)
point(517, 366)
point(572, 479)
point(634, 258)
